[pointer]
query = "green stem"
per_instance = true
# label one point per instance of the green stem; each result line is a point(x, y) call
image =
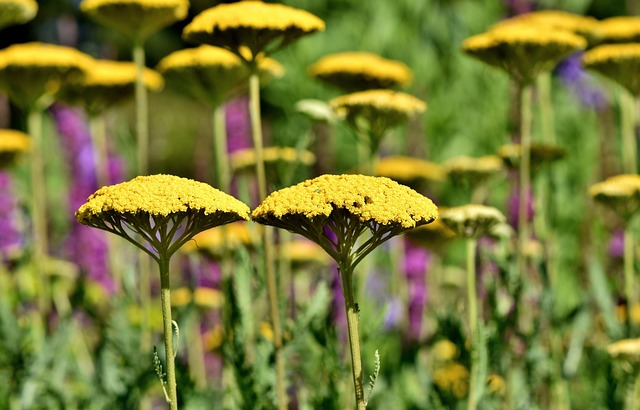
point(39, 207)
point(165, 295)
point(628, 125)
point(629, 284)
point(472, 301)
point(223, 171)
point(547, 118)
point(346, 274)
point(525, 176)
point(634, 394)
point(267, 232)
point(142, 110)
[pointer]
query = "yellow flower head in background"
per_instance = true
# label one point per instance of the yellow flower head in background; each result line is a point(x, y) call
point(245, 159)
point(136, 18)
point(408, 170)
point(523, 50)
point(165, 210)
point(215, 242)
point(212, 74)
point(472, 220)
point(627, 350)
point(434, 236)
point(303, 252)
point(452, 378)
point(259, 27)
point(620, 29)
point(444, 351)
point(361, 70)
point(621, 193)
point(17, 12)
point(202, 297)
point(473, 170)
point(619, 62)
point(12, 144)
point(32, 70)
point(348, 205)
point(585, 26)
point(541, 153)
point(108, 83)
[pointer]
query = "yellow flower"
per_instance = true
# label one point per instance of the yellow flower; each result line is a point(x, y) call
point(444, 350)
point(472, 220)
point(408, 170)
point(619, 62)
point(435, 236)
point(208, 298)
point(212, 74)
point(156, 206)
point(136, 18)
point(266, 331)
point(621, 313)
point(304, 252)
point(108, 83)
point(361, 70)
point(620, 192)
point(181, 297)
point(454, 378)
point(216, 241)
point(541, 153)
point(496, 384)
point(473, 170)
point(31, 70)
point(260, 27)
point(525, 50)
point(245, 159)
point(12, 144)
point(585, 26)
point(349, 205)
point(627, 350)
point(17, 12)
point(213, 338)
point(620, 29)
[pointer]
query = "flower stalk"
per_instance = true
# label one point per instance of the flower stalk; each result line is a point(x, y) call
point(165, 295)
point(472, 302)
point(525, 176)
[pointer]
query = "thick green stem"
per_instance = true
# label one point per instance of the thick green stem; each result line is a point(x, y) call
point(634, 394)
point(267, 232)
point(346, 274)
point(223, 171)
point(472, 305)
point(629, 284)
point(39, 207)
point(525, 177)
point(628, 125)
point(165, 295)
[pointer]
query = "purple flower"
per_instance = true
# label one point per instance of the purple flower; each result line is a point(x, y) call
point(616, 244)
point(571, 72)
point(393, 315)
point(416, 262)
point(10, 238)
point(516, 7)
point(238, 124)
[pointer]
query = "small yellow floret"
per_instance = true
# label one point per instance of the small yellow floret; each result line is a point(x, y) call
point(361, 70)
point(160, 195)
point(371, 199)
point(17, 11)
point(407, 169)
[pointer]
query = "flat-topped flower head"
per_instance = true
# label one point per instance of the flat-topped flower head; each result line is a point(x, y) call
point(32, 70)
point(244, 160)
point(379, 109)
point(472, 220)
point(473, 170)
point(262, 28)
point(435, 236)
point(619, 29)
point(585, 26)
point(541, 153)
point(12, 144)
point(136, 18)
point(621, 193)
point(216, 242)
point(17, 12)
point(523, 51)
point(303, 253)
point(165, 210)
point(619, 62)
point(409, 170)
point(361, 70)
point(108, 83)
point(348, 206)
point(627, 350)
point(212, 74)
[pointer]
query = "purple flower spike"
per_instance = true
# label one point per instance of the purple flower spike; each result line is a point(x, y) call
point(10, 238)
point(571, 72)
point(238, 124)
point(416, 262)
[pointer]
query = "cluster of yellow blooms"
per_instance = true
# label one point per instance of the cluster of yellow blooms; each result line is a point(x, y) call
point(619, 62)
point(394, 105)
point(246, 158)
point(472, 220)
point(408, 169)
point(17, 12)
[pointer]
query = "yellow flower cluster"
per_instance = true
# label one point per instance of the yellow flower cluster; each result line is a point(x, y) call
point(14, 141)
point(160, 195)
point(618, 187)
point(252, 24)
point(304, 252)
point(245, 159)
point(370, 199)
point(361, 70)
point(620, 62)
point(523, 50)
point(136, 18)
point(556, 19)
point(620, 29)
point(464, 166)
point(472, 220)
point(444, 350)
point(17, 11)
point(625, 349)
point(380, 102)
point(215, 241)
point(540, 152)
point(30, 70)
point(408, 169)
point(435, 236)
point(453, 377)
point(202, 297)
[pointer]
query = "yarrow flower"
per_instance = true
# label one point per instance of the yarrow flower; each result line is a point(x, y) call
point(619, 62)
point(17, 12)
point(261, 28)
point(627, 350)
point(523, 51)
point(473, 170)
point(585, 26)
point(472, 221)
point(621, 193)
point(245, 159)
point(541, 153)
point(408, 170)
point(361, 70)
point(136, 18)
point(215, 242)
point(12, 144)
point(619, 29)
